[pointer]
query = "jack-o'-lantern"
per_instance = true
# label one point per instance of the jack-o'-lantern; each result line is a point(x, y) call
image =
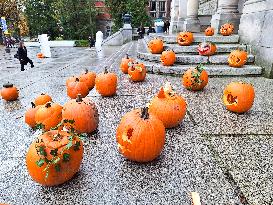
point(207, 49)
point(156, 46)
point(209, 31)
point(185, 38)
point(168, 58)
point(227, 29)
point(237, 58)
point(195, 78)
point(137, 72)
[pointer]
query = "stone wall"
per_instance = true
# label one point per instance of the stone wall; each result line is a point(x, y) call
point(207, 7)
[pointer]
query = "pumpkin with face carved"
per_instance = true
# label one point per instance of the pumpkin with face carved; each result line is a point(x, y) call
point(227, 29)
point(156, 46)
point(195, 78)
point(237, 58)
point(239, 97)
point(168, 58)
point(207, 49)
point(137, 72)
point(209, 31)
point(185, 38)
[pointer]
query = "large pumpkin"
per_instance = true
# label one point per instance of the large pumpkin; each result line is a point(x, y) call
point(137, 72)
point(195, 78)
point(206, 49)
point(185, 38)
point(209, 31)
point(77, 87)
point(124, 65)
point(140, 136)
point(239, 97)
point(54, 158)
point(169, 107)
point(156, 46)
point(237, 58)
point(49, 115)
point(42, 99)
point(88, 77)
point(9, 92)
point(84, 114)
point(168, 58)
point(106, 83)
point(227, 29)
point(30, 115)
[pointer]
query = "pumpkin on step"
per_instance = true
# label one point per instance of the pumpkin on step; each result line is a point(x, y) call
point(77, 87)
point(185, 38)
point(40, 55)
point(209, 31)
point(206, 49)
point(88, 77)
point(237, 58)
point(106, 83)
point(140, 136)
point(124, 65)
point(169, 107)
point(30, 115)
point(227, 29)
point(54, 158)
point(168, 58)
point(42, 99)
point(156, 46)
point(9, 92)
point(137, 72)
point(239, 97)
point(195, 78)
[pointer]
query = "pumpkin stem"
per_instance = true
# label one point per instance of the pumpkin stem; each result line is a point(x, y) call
point(79, 98)
point(145, 113)
point(42, 94)
point(86, 71)
point(161, 93)
point(127, 56)
point(105, 70)
point(48, 105)
point(8, 85)
point(77, 80)
point(33, 105)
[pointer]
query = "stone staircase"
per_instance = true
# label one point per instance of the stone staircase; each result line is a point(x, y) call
point(187, 56)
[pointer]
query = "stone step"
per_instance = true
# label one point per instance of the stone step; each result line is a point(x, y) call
point(192, 59)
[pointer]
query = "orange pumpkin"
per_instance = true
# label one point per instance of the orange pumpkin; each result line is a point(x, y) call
point(209, 31)
point(169, 107)
point(206, 49)
point(49, 115)
point(84, 114)
point(40, 55)
point(168, 58)
point(88, 78)
point(227, 29)
point(9, 92)
point(106, 83)
point(70, 80)
point(195, 78)
point(30, 115)
point(156, 46)
point(185, 38)
point(140, 136)
point(137, 72)
point(124, 65)
point(239, 97)
point(54, 158)
point(77, 87)
point(237, 58)
point(42, 99)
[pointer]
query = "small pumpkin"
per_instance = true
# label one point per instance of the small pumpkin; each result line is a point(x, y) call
point(88, 77)
point(137, 72)
point(49, 115)
point(84, 114)
point(42, 99)
point(106, 83)
point(209, 31)
point(169, 107)
point(207, 49)
point(185, 38)
point(239, 97)
point(9, 92)
point(140, 136)
point(40, 55)
point(168, 58)
point(156, 46)
point(77, 87)
point(237, 58)
point(124, 65)
point(227, 29)
point(30, 115)
point(54, 158)
point(195, 78)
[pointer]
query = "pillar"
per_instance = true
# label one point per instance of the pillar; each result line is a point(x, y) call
point(182, 14)
point(192, 22)
point(174, 16)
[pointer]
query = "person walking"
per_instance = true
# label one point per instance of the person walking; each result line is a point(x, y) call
point(22, 56)
point(141, 31)
point(166, 26)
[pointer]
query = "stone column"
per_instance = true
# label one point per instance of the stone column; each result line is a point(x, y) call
point(192, 22)
point(182, 14)
point(227, 12)
point(174, 16)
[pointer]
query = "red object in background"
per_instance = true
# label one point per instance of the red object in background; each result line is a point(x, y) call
point(103, 13)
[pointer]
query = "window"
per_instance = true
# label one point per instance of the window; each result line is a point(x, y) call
point(152, 5)
point(162, 6)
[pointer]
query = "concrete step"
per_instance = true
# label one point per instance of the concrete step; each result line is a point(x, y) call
point(192, 59)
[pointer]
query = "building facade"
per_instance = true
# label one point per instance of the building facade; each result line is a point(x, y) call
point(160, 9)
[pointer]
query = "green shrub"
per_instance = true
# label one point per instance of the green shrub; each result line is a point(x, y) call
point(82, 43)
point(60, 38)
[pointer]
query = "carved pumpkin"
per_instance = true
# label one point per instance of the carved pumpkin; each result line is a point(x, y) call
point(49, 115)
point(195, 78)
point(40, 55)
point(237, 58)
point(88, 78)
point(239, 97)
point(137, 72)
point(209, 31)
point(42, 99)
point(206, 49)
point(125, 64)
point(140, 136)
point(84, 114)
point(185, 38)
point(169, 107)
point(54, 158)
point(168, 58)
point(156, 46)
point(9, 92)
point(227, 29)
point(106, 83)
point(30, 115)
point(77, 87)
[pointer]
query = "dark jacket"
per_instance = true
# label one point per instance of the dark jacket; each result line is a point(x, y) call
point(22, 54)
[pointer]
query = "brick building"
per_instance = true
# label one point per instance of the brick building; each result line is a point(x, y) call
point(160, 8)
